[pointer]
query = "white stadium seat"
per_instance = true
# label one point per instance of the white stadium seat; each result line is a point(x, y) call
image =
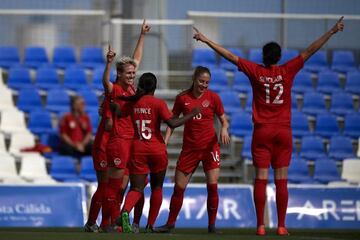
point(12, 121)
point(33, 169)
point(19, 141)
point(8, 173)
point(351, 170)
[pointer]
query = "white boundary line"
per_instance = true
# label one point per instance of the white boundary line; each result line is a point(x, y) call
point(60, 12)
point(153, 21)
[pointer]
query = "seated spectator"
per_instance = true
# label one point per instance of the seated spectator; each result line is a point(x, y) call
point(75, 130)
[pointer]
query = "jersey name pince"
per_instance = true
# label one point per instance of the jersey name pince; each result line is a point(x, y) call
point(147, 115)
point(199, 132)
point(271, 89)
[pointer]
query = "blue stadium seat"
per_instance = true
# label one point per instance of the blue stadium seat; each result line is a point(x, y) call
point(314, 103)
point(317, 62)
point(248, 104)
point(299, 124)
point(255, 55)
point(35, 57)
point(287, 55)
point(343, 61)
point(326, 125)
point(51, 139)
point(328, 82)
point(29, 100)
point(246, 148)
point(340, 148)
point(231, 102)
point(326, 171)
point(312, 148)
point(225, 64)
point(19, 77)
point(203, 57)
point(9, 56)
point(353, 82)
point(219, 81)
point(299, 172)
point(94, 119)
point(352, 125)
point(64, 57)
point(46, 78)
point(90, 98)
point(241, 124)
point(40, 122)
point(341, 104)
point(87, 171)
point(63, 169)
point(241, 83)
point(302, 83)
point(58, 100)
point(75, 78)
point(92, 57)
point(294, 105)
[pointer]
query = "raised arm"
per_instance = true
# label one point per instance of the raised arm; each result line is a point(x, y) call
point(217, 48)
point(175, 122)
point(137, 55)
point(315, 46)
point(110, 55)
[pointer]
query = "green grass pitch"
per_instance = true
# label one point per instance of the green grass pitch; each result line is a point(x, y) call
point(179, 234)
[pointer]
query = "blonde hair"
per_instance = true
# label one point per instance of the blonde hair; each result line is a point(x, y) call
point(123, 61)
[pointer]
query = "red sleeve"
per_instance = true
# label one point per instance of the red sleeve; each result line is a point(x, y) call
point(89, 126)
point(247, 67)
point(177, 109)
point(293, 66)
point(63, 125)
point(164, 112)
point(219, 107)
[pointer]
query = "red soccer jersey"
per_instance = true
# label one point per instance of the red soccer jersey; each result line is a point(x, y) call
point(199, 132)
point(147, 114)
point(75, 128)
point(123, 126)
point(271, 89)
point(102, 136)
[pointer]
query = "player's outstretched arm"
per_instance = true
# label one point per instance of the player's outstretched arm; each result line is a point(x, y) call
point(138, 52)
point(315, 46)
point(168, 133)
point(175, 122)
point(217, 48)
point(224, 133)
point(110, 55)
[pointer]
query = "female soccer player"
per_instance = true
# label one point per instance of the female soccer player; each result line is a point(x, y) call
point(150, 156)
point(200, 144)
point(272, 138)
point(118, 144)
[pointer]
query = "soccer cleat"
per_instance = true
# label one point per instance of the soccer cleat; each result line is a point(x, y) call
point(91, 228)
point(149, 229)
point(110, 229)
point(126, 227)
point(164, 229)
point(282, 231)
point(260, 230)
point(135, 228)
point(212, 229)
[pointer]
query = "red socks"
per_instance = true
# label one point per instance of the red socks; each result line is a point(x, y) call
point(96, 202)
point(131, 199)
point(281, 200)
point(115, 185)
point(212, 202)
point(260, 199)
point(175, 204)
point(139, 209)
point(155, 204)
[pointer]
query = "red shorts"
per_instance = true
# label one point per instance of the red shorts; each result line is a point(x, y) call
point(271, 145)
point(99, 159)
point(144, 164)
point(119, 152)
point(189, 159)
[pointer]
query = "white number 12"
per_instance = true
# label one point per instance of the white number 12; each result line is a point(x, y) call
point(277, 99)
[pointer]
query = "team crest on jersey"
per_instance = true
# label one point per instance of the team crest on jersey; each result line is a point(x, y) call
point(205, 103)
point(117, 161)
point(103, 163)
